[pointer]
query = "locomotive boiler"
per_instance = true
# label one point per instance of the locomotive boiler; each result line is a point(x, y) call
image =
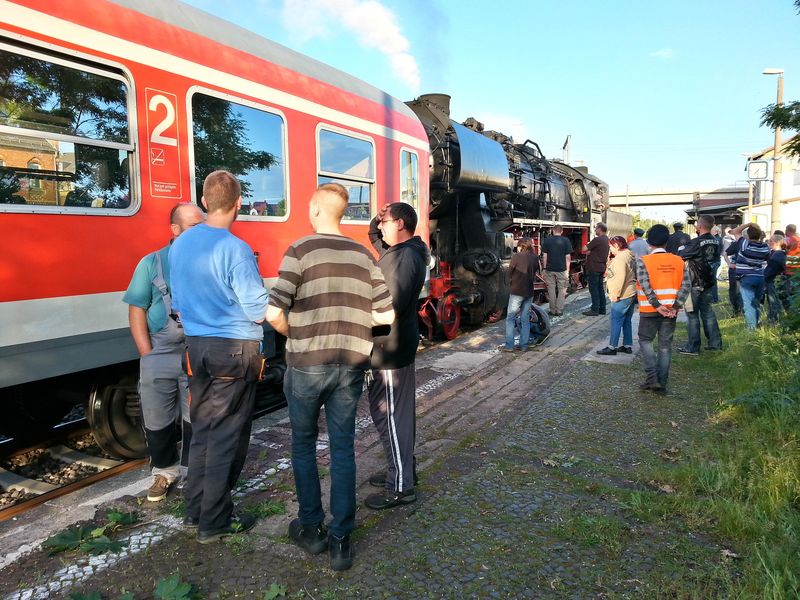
point(486, 191)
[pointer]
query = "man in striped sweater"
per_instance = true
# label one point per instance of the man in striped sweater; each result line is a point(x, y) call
point(329, 294)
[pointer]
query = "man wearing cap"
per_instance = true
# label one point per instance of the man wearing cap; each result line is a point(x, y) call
point(677, 239)
point(662, 286)
point(638, 246)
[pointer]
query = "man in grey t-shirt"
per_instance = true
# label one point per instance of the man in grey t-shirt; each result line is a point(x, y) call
point(556, 251)
point(638, 246)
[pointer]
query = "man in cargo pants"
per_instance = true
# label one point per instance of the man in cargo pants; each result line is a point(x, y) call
point(163, 387)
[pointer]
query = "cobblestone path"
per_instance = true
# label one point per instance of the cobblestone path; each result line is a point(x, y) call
point(535, 483)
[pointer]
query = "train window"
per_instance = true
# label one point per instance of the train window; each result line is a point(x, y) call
point(248, 142)
point(348, 160)
point(409, 178)
point(64, 136)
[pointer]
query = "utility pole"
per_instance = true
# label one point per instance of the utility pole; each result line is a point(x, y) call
point(777, 168)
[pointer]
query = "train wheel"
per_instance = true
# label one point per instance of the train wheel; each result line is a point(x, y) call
point(115, 416)
point(448, 317)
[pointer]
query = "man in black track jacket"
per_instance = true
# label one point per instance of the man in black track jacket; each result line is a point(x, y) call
point(699, 254)
point(403, 261)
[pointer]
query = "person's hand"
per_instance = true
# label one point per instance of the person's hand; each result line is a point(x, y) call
point(666, 311)
point(382, 212)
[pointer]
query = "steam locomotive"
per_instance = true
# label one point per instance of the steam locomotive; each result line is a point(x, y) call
point(486, 191)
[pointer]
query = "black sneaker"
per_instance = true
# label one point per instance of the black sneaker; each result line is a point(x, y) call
point(311, 538)
point(191, 522)
point(625, 349)
point(239, 524)
point(341, 553)
point(688, 352)
point(607, 351)
point(590, 313)
point(388, 499)
point(646, 386)
point(378, 479)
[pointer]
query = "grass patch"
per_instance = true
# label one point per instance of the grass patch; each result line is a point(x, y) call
point(594, 531)
point(266, 508)
point(743, 480)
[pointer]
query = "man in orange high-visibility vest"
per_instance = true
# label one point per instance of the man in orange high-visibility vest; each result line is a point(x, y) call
point(662, 286)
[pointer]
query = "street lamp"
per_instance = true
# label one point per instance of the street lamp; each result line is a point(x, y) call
point(777, 167)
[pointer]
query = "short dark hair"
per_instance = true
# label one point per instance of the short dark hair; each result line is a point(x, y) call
point(754, 232)
point(707, 221)
point(791, 229)
point(558, 229)
point(221, 190)
point(603, 227)
point(402, 210)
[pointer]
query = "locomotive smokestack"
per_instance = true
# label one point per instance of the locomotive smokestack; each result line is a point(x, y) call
point(442, 101)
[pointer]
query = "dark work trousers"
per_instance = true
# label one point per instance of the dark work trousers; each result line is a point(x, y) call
point(392, 404)
point(733, 292)
point(597, 291)
point(656, 366)
point(222, 375)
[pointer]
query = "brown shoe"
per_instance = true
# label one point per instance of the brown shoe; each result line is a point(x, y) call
point(158, 491)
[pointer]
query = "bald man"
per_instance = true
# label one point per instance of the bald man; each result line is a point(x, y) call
point(163, 386)
point(329, 294)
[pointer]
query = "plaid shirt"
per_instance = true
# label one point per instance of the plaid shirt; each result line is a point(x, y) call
point(644, 282)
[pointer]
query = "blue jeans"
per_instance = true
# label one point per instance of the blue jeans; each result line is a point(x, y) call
point(702, 311)
point(752, 289)
point(621, 315)
point(597, 292)
point(338, 388)
point(656, 368)
point(522, 306)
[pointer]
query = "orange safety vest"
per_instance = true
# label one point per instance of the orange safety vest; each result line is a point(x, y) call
point(665, 271)
point(792, 255)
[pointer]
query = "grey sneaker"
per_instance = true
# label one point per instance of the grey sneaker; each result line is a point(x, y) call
point(158, 491)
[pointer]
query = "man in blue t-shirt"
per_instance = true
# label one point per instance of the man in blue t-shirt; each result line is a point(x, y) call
point(221, 299)
point(163, 388)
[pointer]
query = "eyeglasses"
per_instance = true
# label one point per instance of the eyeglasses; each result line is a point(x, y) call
point(389, 220)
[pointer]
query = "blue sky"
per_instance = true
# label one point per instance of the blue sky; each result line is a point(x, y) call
point(656, 95)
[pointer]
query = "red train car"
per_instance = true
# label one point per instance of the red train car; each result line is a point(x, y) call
point(111, 112)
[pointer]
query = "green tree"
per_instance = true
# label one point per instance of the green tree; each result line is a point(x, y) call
point(786, 116)
point(221, 142)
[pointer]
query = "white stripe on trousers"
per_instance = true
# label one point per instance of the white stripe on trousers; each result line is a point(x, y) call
point(388, 379)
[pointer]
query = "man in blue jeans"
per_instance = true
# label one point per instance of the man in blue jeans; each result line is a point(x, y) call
point(701, 254)
point(334, 293)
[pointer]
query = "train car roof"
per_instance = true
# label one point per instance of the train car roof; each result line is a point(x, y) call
point(223, 32)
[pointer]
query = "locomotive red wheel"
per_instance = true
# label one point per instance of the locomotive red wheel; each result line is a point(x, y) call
point(448, 317)
point(115, 416)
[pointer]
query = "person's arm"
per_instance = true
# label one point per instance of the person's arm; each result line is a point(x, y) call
point(544, 260)
point(568, 255)
point(277, 318)
point(376, 235)
point(137, 317)
point(382, 309)
point(684, 291)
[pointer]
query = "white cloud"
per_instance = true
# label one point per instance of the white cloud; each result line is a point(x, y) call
point(372, 23)
point(664, 53)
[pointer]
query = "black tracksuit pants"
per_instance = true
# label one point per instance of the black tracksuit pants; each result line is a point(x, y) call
point(392, 403)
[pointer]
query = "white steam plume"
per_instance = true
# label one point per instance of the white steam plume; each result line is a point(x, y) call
point(372, 23)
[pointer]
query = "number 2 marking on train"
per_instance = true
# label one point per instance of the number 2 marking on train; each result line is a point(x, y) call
point(156, 137)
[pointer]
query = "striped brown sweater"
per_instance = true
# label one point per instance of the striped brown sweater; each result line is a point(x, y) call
point(330, 285)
